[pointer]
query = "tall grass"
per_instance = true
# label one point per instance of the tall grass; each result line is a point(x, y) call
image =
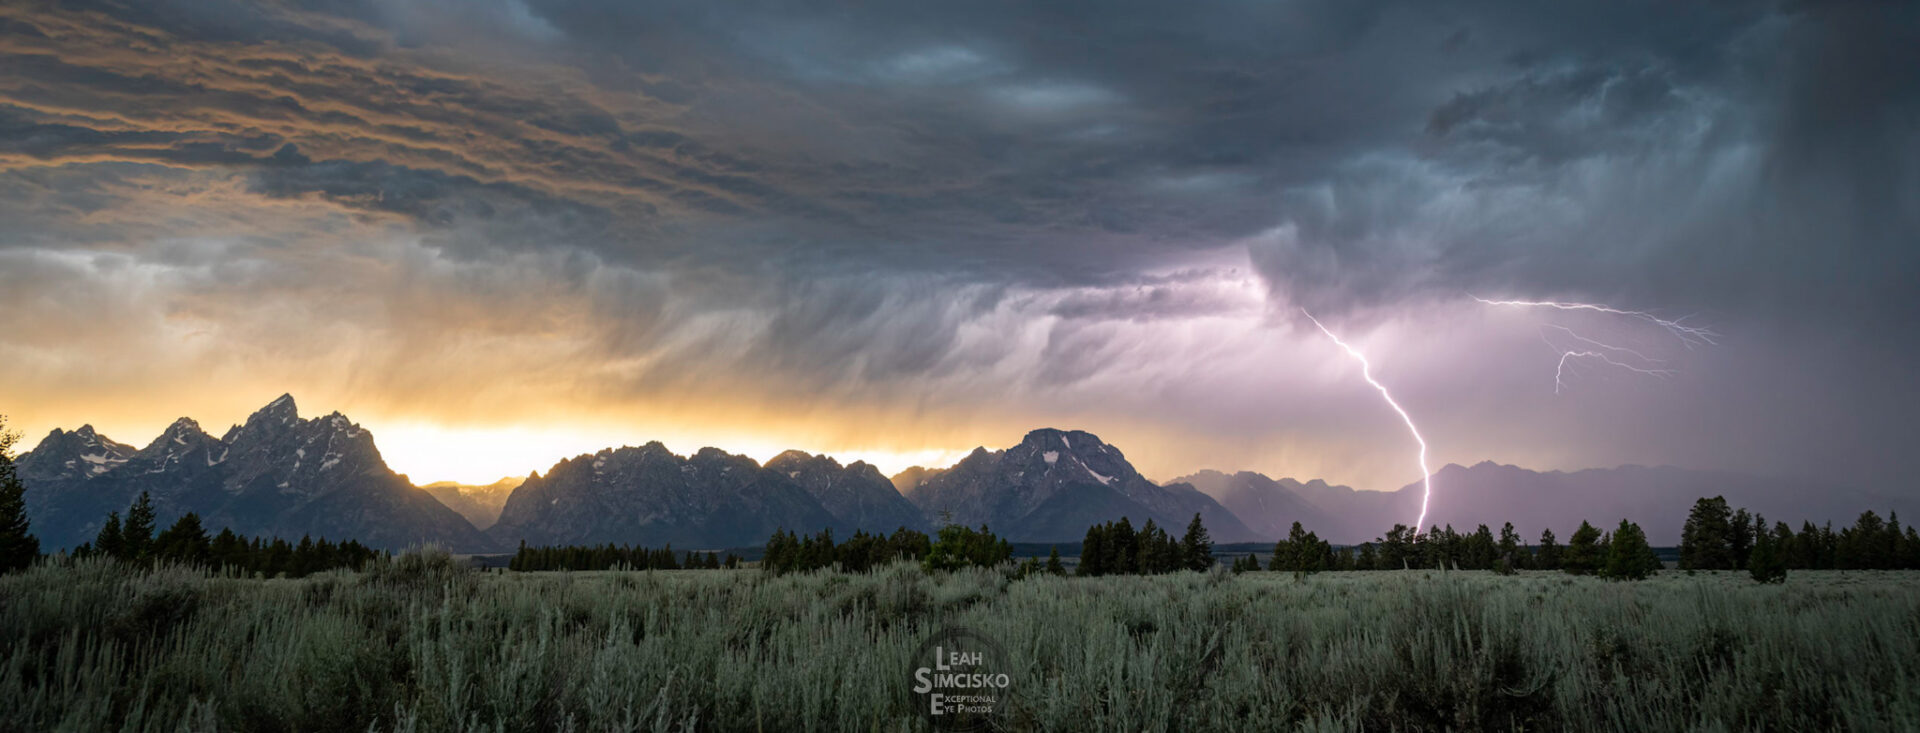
point(421, 644)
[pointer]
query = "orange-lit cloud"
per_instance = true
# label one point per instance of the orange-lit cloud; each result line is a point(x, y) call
point(501, 232)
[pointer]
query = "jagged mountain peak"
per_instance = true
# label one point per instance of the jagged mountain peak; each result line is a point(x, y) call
point(1054, 484)
point(282, 404)
point(648, 495)
point(710, 453)
point(183, 426)
point(183, 435)
point(77, 454)
point(1053, 456)
point(275, 474)
point(791, 461)
point(794, 457)
point(857, 493)
point(652, 447)
point(1071, 440)
point(271, 420)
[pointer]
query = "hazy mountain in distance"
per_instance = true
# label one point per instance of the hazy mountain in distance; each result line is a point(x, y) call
point(480, 504)
point(274, 475)
point(1658, 499)
point(911, 478)
point(856, 494)
point(1268, 507)
point(649, 496)
point(1055, 484)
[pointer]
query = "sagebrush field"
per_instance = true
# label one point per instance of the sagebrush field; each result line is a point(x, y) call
point(421, 643)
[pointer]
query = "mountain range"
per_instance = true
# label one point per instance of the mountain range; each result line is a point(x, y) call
point(275, 474)
point(1657, 498)
point(1056, 483)
point(279, 475)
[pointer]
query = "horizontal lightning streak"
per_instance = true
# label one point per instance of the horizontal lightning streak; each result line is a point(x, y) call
point(1689, 335)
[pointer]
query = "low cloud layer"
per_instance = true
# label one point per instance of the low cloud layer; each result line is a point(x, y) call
point(914, 229)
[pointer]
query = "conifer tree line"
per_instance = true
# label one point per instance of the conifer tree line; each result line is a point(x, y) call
point(615, 557)
point(186, 542)
point(1718, 537)
point(789, 553)
point(1116, 548)
point(1620, 553)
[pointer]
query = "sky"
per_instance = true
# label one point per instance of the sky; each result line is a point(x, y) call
point(502, 232)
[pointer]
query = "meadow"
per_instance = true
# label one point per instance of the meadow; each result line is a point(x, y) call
point(420, 643)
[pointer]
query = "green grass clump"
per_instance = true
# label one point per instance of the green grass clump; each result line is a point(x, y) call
point(420, 643)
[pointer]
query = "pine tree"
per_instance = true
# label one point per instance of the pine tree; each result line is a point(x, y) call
point(1197, 546)
point(18, 547)
point(1741, 538)
point(1628, 555)
point(1896, 543)
point(1584, 553)
point(227, 550)
point(1806, 548)
point(1768, 563)
point(1146, 550)
point(110, 541)
point(1093, 552)
point(1053, 562)
point(1706, 540)
point(1859, 545)
point(1910, 556)
point(1369, 559)
point(186, 541)
point(1283, 550)
point(137, 532)
point(1122, 544)
point(1480, 549)
point(1548, 557)
point(1509, 547)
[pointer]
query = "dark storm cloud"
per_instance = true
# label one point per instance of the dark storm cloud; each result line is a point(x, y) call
point(875, 201)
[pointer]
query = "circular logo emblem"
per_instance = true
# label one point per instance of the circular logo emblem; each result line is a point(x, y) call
point(962, 681)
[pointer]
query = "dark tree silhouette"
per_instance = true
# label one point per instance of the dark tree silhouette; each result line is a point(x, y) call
point(1197, 545)
point(1629, 557)
point(1707, 539)
point(1768, 563)
point(1584, 554)
point(18, 547)
point(137, 533)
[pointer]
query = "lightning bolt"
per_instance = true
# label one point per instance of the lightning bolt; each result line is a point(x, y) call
point(1366, 371)
point(1690, 335)
point(1605, 354)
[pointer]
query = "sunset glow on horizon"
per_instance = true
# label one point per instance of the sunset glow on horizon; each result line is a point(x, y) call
point(528, 230)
